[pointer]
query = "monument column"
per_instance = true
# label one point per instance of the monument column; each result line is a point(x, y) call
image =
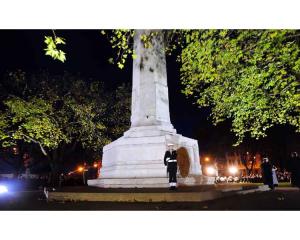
point(150, 101)
point(136, 159)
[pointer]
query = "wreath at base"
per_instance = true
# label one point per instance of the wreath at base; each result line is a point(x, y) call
point(183, 161)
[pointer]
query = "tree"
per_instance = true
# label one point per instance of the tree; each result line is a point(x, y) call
point(59, 113)
point(247, 76)
point(250, 77)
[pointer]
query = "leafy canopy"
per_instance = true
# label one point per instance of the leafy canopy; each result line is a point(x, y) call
point(51, 111)
point(248, 76)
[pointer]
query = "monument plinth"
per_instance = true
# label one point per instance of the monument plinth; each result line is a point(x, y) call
point(136, 159)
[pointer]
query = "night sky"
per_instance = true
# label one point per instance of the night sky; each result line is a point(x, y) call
point(88, 53)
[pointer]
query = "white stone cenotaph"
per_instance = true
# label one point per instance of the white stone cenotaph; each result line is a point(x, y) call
point(136, 158)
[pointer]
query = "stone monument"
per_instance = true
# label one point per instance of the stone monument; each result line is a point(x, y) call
point(136, 158)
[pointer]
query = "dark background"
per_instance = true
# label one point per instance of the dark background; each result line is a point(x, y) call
point(88, 53)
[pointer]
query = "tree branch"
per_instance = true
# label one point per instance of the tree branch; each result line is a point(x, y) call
point(37, 142)
point(54, 34)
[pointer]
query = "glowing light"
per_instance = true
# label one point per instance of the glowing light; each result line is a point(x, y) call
point(3, 189)
point(233, 170)
point(80, 169)
point(211, 170)
point(95, 165)
point(206, 159)
point(15, 150)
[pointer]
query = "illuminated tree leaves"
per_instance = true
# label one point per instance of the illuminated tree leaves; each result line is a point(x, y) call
point(247, 76)
point(52, 49)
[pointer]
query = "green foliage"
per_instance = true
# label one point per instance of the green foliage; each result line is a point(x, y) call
point(57, 111)
point(4, 135)
point(52, 49)
point(247, 76)
point(121, 41)
point(32, 120)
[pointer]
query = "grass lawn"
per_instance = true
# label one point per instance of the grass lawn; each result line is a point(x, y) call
point(284, 184)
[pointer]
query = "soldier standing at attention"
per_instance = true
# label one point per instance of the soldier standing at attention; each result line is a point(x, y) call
point(171, 162)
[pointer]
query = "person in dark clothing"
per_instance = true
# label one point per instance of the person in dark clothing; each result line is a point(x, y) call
point(85, 173)
point(61, 179)
point(266, 168)
point(170, 160)
point(295, 169)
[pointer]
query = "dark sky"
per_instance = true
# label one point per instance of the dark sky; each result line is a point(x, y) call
point(88, 52)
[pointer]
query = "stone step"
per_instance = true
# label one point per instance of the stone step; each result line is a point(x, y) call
point(150, 182)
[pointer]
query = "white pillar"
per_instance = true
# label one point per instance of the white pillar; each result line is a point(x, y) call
point(136, 159)
point(150, 100)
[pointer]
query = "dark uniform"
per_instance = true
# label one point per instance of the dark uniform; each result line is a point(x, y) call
point(171, 163)
point(295, 169)
point(266, 168)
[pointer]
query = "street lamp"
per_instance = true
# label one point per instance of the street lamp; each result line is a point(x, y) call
point(233, 170)
point(211, 170)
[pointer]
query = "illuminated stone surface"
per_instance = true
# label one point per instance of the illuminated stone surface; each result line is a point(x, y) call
point(136, 159)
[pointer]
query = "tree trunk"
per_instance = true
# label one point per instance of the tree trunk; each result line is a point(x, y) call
point(56, 158)
point(53, 180)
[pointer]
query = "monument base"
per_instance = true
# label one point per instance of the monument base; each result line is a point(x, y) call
point(136, 160)
point(149, 182)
